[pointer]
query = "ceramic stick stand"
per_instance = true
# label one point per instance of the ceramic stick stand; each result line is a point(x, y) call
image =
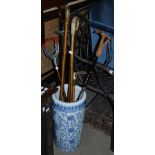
point(68, 121)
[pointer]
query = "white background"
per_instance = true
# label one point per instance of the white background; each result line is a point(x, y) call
point(20, 68)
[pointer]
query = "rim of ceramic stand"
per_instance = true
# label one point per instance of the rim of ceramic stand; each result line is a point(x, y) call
point(69, 104)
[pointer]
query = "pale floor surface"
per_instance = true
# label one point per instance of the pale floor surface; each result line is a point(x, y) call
point(94, 142)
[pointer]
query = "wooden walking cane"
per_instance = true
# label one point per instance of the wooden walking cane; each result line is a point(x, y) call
point(102, 42)
point(62, 92)
point(71, 86)
point(105, 39)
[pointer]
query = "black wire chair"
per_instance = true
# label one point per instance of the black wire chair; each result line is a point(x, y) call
point(101, 79)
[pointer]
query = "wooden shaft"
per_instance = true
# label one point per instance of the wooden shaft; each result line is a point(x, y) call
point(74, 78)
point(62, 92)
point(71, 71)
point(58, 75)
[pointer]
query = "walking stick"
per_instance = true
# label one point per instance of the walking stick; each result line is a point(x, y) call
point(103, 40)
point(62, 92)
point(71, 86)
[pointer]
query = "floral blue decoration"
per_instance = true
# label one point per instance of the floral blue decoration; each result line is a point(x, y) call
point(68, 125)
point(68, 109)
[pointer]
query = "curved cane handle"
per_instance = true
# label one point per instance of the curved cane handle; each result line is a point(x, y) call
point(105, 39)
point(74, 25)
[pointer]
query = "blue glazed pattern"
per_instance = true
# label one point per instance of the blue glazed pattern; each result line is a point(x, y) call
point(68, 125)
point(68, 109)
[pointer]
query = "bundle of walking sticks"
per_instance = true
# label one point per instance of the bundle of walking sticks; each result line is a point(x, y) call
point(69, 95)
point(71, 86)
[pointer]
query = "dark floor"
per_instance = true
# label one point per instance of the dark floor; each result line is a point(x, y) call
point(99, 114)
